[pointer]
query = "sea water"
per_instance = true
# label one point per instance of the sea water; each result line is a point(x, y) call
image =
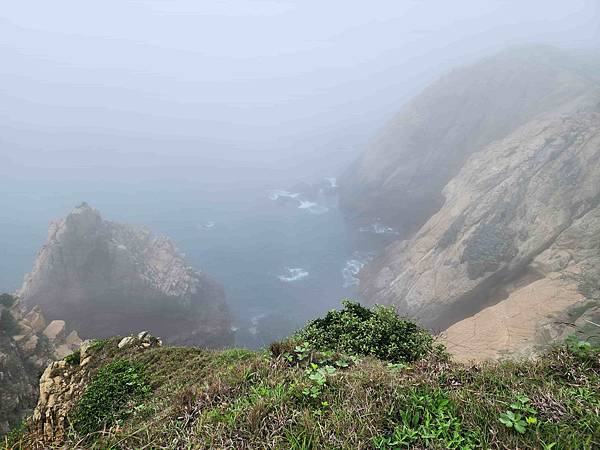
point(283, 256)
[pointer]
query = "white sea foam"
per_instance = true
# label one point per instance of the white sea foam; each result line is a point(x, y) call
point(305, 204)
point(332, 181)
point(353, 267)
point(350, 271)
point(293, 274)
point(312, 207)
point(378, 228)
point(279, 193)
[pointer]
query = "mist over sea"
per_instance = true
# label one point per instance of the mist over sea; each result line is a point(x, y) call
point(283, 256)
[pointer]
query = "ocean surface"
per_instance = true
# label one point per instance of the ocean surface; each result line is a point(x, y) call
point(284, 254)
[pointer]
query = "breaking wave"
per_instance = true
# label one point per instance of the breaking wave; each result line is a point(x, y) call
point(378, 228)
point(293, 274)
point(312, 207)
point(332, 182)
point(279, 193)
point(353, 267)
point(302, 202)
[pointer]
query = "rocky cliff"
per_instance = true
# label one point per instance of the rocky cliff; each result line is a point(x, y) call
point(400, 177)
point(493, 177)
point(27, 345)
point(106, 278)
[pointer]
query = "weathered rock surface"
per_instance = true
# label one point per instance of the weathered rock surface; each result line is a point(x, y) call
point(63, 383)
point(400, 177)
point(105, 279)
point(25, 351)
point(502, 262)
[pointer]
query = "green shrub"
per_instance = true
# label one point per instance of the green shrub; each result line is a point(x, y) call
point(8, 324)
point(7, 300)
point(110, 396)
point(357, 330)
point(74, 358)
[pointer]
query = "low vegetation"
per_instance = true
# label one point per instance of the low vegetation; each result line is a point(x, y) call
point(7, 300)
point(117, 385)
point(8, 324)
point(357, 330)
point(309, 394)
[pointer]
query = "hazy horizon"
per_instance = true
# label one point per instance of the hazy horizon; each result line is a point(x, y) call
point(235, 89)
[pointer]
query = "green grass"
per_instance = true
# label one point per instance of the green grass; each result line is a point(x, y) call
point(322, 390)
point(110, 396)
point(193, 398)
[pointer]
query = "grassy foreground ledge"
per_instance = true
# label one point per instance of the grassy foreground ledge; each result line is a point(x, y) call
point(299, 395)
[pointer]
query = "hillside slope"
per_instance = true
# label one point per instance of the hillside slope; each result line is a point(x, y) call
point(132, 393)
point(498, 203)
point(106, 278)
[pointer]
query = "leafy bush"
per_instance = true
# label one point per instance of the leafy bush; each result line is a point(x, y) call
point(110, 396)
point(357, 330)
point(8, 324)
point(74, 358)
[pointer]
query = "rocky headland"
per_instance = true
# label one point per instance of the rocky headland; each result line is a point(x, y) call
point(491, 177)
point(105, 278)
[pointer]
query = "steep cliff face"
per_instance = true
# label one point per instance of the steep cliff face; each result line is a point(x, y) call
point(504, 261)
point(400, 177)
point(106, 278)
point(27, 345)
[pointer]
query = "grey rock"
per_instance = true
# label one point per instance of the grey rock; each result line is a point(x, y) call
point(22, 360)
point(127, 341)
point(105, 279)
point(499, 248)
point(400, 177)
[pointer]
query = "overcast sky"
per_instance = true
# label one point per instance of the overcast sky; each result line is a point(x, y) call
point(275, 86)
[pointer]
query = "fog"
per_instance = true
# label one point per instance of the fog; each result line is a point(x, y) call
point(178, 114)
point(185, 89)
